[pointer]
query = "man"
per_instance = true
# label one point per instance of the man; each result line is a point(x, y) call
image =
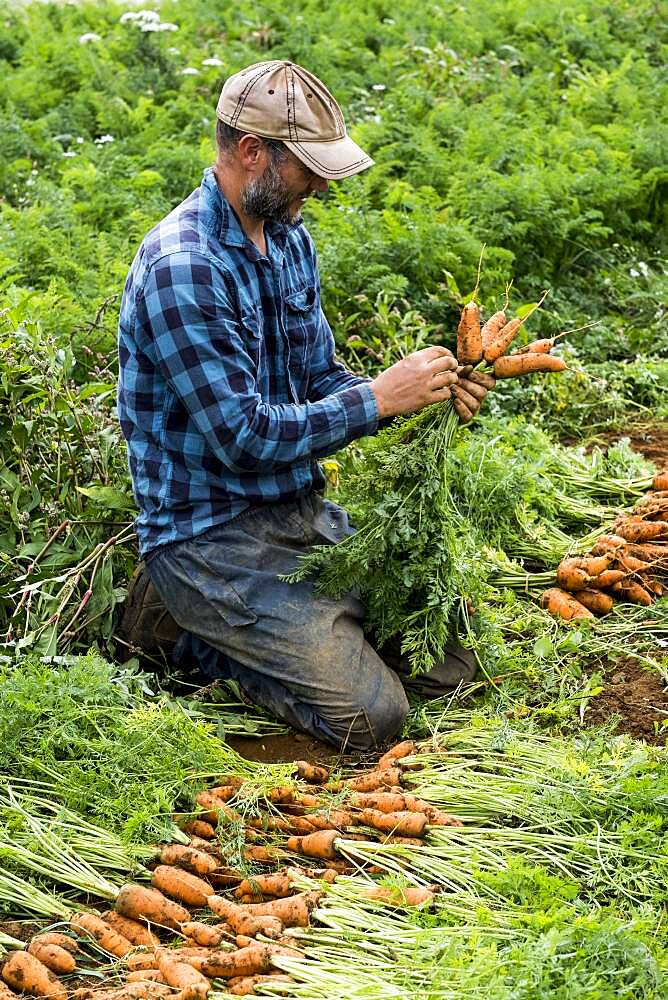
point(230, 393)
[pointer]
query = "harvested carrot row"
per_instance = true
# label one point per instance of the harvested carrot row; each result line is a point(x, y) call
point(181, 885)
point(469, 337)
point(133, 930)
point(53, 956)
point(516, 365)
point(189, 858)
point(559, 602)
point(26, 974)
point(660, 481)
point(141, 903)
point(101, 932)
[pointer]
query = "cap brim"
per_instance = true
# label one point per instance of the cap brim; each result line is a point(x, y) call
point(332, 159)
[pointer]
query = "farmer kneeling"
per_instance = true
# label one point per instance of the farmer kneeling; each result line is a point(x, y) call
point(230, 393)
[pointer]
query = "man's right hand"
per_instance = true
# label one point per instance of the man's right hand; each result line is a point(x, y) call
point(414, 382)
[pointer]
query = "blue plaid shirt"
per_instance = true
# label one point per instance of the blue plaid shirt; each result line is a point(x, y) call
point(229, 390)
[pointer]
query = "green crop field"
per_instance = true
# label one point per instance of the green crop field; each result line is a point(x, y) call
point(521, 160)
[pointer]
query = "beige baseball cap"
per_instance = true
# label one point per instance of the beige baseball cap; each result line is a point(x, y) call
point(281, 100)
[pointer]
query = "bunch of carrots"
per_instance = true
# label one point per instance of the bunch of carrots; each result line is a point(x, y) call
point(244, 922)
point(626, 565)
point(489, 343)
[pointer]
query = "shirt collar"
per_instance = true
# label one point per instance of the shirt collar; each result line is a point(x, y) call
point(231, 232)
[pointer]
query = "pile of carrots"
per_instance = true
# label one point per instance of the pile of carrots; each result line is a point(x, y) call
point(489, 343)
point(243, 922)
point(626, 565)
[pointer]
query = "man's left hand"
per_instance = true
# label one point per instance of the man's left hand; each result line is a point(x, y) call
point(469, 392)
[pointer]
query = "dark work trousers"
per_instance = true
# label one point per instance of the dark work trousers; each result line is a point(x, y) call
point(300, 654)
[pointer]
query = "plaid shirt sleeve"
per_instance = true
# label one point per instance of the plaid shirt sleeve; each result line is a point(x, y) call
point(199, 347)
point(327, 374)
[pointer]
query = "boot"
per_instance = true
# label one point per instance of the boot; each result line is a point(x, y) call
point(147, 626)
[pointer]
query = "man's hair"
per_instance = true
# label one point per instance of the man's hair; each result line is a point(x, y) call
point(227, 140)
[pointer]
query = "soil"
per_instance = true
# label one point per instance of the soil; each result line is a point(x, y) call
point(637, 698)
point(286, 747)
point(651, 440)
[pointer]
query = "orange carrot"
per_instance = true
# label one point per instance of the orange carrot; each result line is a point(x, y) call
point(198, 828)
point(632, 564)
point(537, 347)
point(330, 819)
point(142, 975)
point(596, 601)
point(26, 974)
point(641, 531)
point(244, 986)
point(249, 961)
point(224, 792)
point(633, 592)
point(53, 956)
point(395, 753)
point(62, 940)
point(608, 579)
point(139, 960)
point(242, 921)
point(314, 774)
point(183, 977)
point(572, 578)
point(204, 935)
point(316, 845)
point(608, 543)
point(390, 838)
point(292, 911)
point(373, 780)
point(492, 328)
point(469, 337)
point(394, 896)
point(181, 885)
point(660, 481)
point(189, 858)
point(516, 365)
point(141, 903)
point(559, 602)
point(263, 855)
point(102, 932)
point(135, 932)
point(499, 345)
point(258, 886)
point(403, 824)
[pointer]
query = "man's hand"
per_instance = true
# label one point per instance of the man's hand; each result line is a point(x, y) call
point(470, 391)
point(416, 381)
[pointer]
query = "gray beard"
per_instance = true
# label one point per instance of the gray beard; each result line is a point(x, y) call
point(266, 198)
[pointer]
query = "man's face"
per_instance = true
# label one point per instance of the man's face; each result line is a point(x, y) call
point(279, 194)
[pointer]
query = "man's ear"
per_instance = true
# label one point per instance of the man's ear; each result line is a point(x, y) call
point(252, 153)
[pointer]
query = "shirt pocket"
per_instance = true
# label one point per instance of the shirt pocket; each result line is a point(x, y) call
point(302, 325)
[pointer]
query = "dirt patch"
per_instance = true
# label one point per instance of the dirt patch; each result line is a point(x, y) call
point(286, 747)
point(650, 440)
point(23, 930)
point(638, 697)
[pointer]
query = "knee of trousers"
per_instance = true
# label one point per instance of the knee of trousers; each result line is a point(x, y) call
point(373, 724)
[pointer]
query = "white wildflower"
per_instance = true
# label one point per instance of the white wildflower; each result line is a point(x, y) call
point(212, 61)
point(167, 26)
point(149, 26)
point(89, 36)
point(378, 86)
point(69, 152)
point(80, 140)
point(189, 71)
point(102, 139)
point(643, 268)
point(634, 273)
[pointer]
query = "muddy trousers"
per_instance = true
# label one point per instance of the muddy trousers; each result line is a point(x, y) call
point(300, 654)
